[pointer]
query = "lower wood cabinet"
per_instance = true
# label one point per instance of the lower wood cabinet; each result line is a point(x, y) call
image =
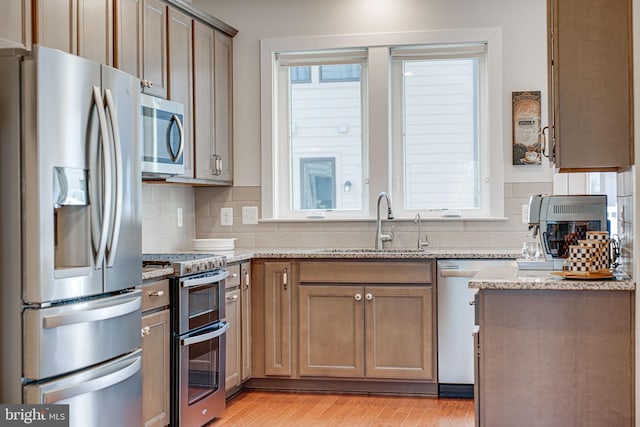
point(366, 331)
point(370, 323)
point(155, 368)
point(156, 351)
point(233, 354)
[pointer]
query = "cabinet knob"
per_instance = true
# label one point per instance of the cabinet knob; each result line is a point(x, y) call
point(234, 275)
point(472, 302)
point(246, 279)
point(358, 297)
point(232, 298)
point(368, 296)
point(284, 278)
point(145, 331)
point(155, 294)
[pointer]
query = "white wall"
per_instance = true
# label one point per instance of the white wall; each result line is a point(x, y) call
point(523, 24)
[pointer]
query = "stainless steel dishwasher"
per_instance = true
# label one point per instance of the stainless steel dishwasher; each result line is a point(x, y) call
point(456, 320)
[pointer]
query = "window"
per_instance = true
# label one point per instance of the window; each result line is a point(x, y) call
point(340, 73)
point(437, 127)
point(300, 74)
point(317, 183)
point(418, 115)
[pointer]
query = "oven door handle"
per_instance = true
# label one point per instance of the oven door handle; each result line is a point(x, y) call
point(205, 337)
point(204, 280)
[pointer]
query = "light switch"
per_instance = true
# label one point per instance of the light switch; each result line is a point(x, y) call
point(249, 214)
point(226, 216)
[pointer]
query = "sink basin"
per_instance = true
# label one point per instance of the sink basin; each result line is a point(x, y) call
point(371, 250)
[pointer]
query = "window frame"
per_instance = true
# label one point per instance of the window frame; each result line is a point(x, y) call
point(380, 174)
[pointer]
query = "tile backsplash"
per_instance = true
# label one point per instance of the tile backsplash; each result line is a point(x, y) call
point(509, 233)
point(625, 189)
point(160, 204)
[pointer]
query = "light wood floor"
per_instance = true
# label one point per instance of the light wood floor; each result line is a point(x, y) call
point(253, 408)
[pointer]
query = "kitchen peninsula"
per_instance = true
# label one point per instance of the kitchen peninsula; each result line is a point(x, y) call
point(553, 352)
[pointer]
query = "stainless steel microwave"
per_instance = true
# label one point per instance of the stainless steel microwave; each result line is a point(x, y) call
point(162, 137)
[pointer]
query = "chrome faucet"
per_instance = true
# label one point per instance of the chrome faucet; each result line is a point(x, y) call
point(421, 244)
point(379, 236)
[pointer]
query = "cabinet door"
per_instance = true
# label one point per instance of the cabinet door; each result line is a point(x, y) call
point(245, 321)
point(154, 47)
point(180, 78)
point(399, 332)
point(590, 84)
point(277, 310)
point(15, 25)
point(156, 343)
point(203, 96)
point(128, 38)
point(57, 24)
point(95, 30)
point(223, 114)
point(233, 339)
point(331, 331)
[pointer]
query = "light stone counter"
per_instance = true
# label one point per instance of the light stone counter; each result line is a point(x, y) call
point(368, 253)
point(514, 279)
point(156, 272)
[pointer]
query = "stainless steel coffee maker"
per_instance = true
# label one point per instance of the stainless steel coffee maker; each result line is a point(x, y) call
point(560, 221)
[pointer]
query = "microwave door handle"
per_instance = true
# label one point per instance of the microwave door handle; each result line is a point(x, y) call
point(100, 383)
point(174, 157)
point(114, 235)
point(100, 228)
point(204, 337)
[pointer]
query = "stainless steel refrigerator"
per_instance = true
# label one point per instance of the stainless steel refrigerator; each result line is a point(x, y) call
point(70, 242)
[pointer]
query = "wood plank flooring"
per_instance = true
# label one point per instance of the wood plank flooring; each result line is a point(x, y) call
point(257, 408)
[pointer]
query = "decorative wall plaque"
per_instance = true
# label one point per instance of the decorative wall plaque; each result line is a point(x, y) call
point(526, 128)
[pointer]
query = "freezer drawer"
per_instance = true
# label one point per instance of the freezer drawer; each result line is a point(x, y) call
point(106, 395)
point(69, 337)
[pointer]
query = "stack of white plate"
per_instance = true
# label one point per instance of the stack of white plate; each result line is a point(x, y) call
point(215, 246)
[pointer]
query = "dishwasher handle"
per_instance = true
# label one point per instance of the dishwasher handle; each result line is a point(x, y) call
point(446, 272)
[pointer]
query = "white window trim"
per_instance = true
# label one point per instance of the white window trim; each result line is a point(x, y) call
point(378, 130)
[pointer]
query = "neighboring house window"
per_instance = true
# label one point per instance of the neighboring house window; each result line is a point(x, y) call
point(412, 115)
point(300, 74)
point(317, 183)
point(340, 73)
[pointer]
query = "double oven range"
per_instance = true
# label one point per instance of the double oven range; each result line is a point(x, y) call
point(199, 343)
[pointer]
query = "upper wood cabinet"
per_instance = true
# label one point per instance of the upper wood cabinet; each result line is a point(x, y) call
point(15, 25)
point(80, 27)
point(154, 48)
point(213, 104)
point(128, 36)
point(181, 78)
point(223, 113)
point(590, 84)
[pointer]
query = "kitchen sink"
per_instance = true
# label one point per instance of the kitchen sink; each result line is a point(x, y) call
point(371, 250)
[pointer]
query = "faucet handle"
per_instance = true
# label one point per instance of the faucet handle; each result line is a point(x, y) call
point(392, 233)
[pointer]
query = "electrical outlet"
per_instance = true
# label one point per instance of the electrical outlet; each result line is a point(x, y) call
point(180, 219)
point(226, 216)
point(525, 213)
point(249, 214)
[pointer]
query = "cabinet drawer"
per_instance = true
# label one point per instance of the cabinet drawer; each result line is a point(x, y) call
point(234, 276)
point(155, 294)
point(387, 272)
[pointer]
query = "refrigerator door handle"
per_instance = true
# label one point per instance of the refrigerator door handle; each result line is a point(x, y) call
point(174, 157)
point(94, 385)
point(101, 312)
point(114, 235)
point(99, 229)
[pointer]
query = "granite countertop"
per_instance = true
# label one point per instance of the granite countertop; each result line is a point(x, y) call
point(155, 272)
point(391, 253)
point(514, 279)
point(240, 255)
